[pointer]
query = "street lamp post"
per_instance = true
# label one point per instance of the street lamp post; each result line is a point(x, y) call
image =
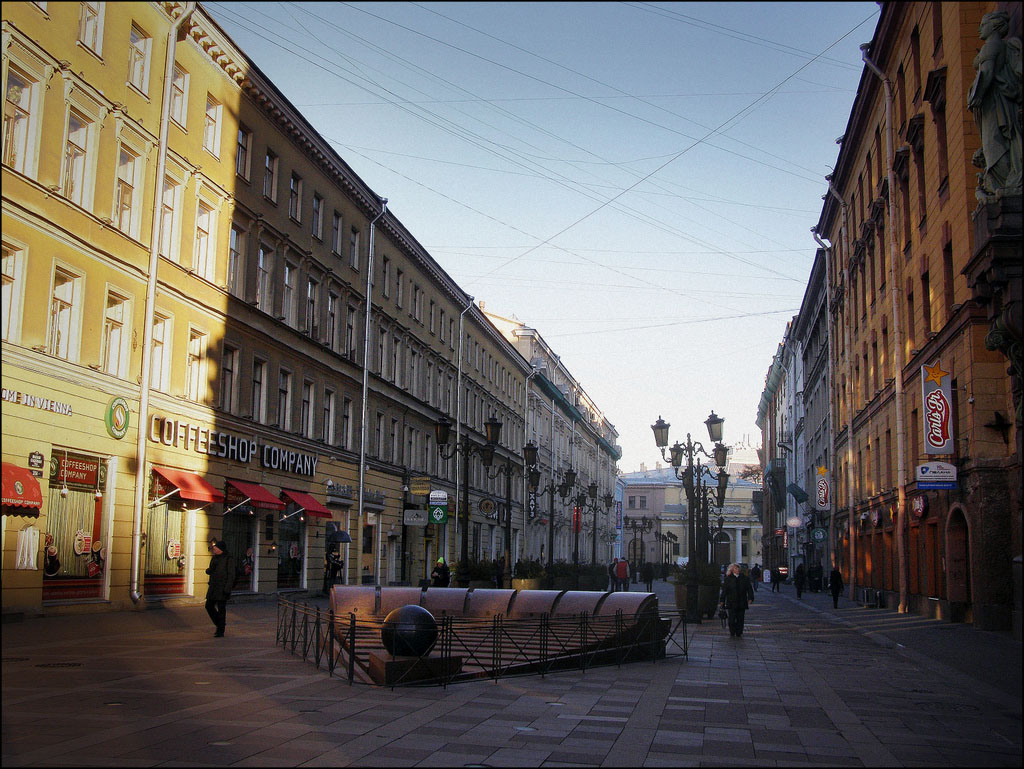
point(720, 454)
point(637, 525)
point(465, 447)
point(508, 468)
point(563, 489)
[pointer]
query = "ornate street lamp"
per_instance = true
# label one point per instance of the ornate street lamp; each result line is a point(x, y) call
point(493, 431)
point(551, 488)
point(640, 525)
point(692, 477)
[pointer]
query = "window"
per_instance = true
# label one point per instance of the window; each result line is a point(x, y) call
point(195, 389)
point(115, 350)
point(385, 276)
point(169, 219)
point(378, 435)
point(90, 26)
point(13, 289)
point(18, 141)
point(288, 294)
point(161, 349)
point(395, 444)
point(433, 327)
point(353, 249)
point(202, 261)
point(350, 333)
point(242, 152)
point(332, 321)
point(75, 153)
point(312, 289)
point(632, 503)
point(138, 59)
point(63, 314)
point(211, 126)
point(264, 270)
point(346, 424)
point(643, 503)
point(307, 409)
point(441, 327)
point(236, 260)
point(284, 400)
point(336, 229)
point(399, 294)
point(270, 176)
point(179, 96)
point(228, 376)
point(926, 305)
point(327, 427)
point(295, 197)
point(259, 393)
point(125, 202)
point(318, 217)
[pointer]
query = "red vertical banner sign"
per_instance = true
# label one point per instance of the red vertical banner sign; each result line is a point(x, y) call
point(937, 400)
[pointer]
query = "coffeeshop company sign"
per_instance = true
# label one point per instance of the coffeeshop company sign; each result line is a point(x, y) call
point(937, 399)
point(237, 448)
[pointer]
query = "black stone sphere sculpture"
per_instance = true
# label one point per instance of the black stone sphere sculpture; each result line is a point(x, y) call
point(409, 631)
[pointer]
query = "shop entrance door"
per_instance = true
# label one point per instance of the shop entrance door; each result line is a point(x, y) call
point(958, 580)
point(291, 557)
point(166, 550)
point(240, 538)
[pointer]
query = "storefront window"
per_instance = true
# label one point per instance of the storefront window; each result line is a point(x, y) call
point(240, 538)
point(75, 553)
point(166, 547)
point(291, 557)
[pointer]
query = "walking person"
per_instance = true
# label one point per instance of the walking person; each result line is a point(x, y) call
point(800, 579)
point(755, 576)
point(776, 579)
point(222, 578)
point(835, 585)
point(622, 574)
point(737, 595)
point(647, 575)
point(613, 581)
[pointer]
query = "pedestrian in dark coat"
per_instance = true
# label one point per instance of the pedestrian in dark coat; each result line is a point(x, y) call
point(800, 579)
point(647, 575)
point(737, 595)
point(755, 576)
point(835, 584)
point(776, 579)
point(222, 578)
point(441, 576)
point(612, 579)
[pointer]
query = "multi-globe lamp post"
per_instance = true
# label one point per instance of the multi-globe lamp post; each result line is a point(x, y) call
point(692, 478)
point(637, 526)
point(507, 468)
point(587, 502)
point(563, 490)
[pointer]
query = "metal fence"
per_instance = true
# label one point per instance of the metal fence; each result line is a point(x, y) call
point(471, 648)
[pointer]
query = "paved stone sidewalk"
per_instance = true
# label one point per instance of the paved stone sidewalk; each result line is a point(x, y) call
point(806, 685)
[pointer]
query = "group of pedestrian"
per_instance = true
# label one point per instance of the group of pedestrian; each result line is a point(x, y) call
point(619, 575)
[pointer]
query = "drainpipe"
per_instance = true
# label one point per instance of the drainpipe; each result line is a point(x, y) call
point(147, 333)
point(458, 431)
point(897, 358)
point(366, 387)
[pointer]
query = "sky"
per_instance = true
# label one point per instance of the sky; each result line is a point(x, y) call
point(636, 181)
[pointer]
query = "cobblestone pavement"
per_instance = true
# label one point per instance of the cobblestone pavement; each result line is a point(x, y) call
point(805, 685)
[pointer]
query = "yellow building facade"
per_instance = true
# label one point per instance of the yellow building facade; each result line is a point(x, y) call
point(249, 424)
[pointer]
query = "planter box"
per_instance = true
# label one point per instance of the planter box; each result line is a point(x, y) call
point(707, 599)
point(532, 583)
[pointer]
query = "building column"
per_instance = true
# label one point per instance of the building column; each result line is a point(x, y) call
point(738, 545)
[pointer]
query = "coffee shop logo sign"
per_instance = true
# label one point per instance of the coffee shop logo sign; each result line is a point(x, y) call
point(173, 432)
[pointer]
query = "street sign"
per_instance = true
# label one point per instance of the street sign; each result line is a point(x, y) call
point(437, 508)
point(419, 485)
point(415, 515)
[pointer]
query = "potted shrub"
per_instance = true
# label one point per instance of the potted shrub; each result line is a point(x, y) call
point(476, 574)
point(528, 575)
point(562, 576)
point(709, 587)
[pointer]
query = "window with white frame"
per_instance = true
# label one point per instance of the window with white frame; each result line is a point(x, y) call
point(308, 408)
point(396, 445)
point(211, 126)
point(441, 327)
point(179, 96)
point(159, 373)
point(195, 358)
point(13, 291)
point(116, 318)
point(433, 326)
point(284, 400)
point(259, 390)
point(127, 194)
point(64, 314)
point(312, 324)
point(295, 197)
point(288, 293)
point(229, 379)
point(353, 248)
point(236, 261)
point(76, 150)
point(378, 435)
point(327, 426)
point(270, 163)
point(317, 217)
point(90, 26)
point(264, 272)
point(350, 332)
point(19, 127)
point(202, 260)
point(139, 46)
point(332, 321)
point(170, 205)
point(336, 230)
point(242, 152)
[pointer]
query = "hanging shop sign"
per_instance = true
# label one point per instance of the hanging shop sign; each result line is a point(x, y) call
point(937, 397)
point(415, 515)
point(936, 475)
point(37, 402)
point(238, 448)
point(919, 505)
point(822, 490)
point(437, 508)
point(73, 468)
point(819, 535)
point(116, 418)
point(419, 485)
point(876, 517)
point(35, 463)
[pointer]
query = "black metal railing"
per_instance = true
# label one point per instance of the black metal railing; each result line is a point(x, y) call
point(473, 647)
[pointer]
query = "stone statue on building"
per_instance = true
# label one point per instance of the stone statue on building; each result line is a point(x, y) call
point(995, 100)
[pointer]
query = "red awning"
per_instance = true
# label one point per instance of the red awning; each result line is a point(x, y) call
point(307, 503)
point(20, 488)
point(189, 485)
point(257, 495)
